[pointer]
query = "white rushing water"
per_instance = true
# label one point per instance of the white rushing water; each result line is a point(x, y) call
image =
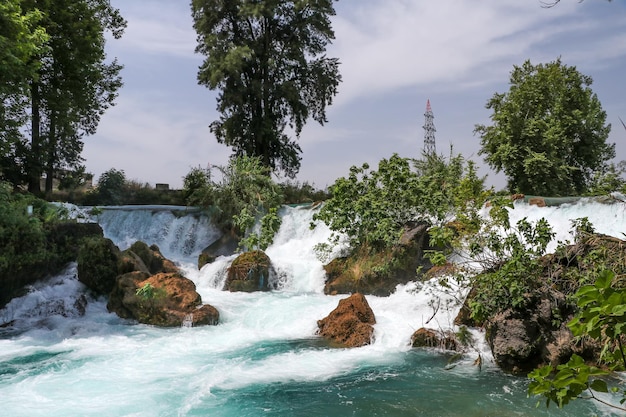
point(63, 354)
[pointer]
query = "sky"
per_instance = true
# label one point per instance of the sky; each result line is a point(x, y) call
point(394, 54)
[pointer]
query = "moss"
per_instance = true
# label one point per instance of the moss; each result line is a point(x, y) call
point(98, 264)
point(250, 271)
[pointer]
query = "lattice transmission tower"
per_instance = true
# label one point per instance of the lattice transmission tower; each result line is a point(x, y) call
point(429, 131)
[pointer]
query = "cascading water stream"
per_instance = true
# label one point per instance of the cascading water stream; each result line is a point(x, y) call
point(263, 358)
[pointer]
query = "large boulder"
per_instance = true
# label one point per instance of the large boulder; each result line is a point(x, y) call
point(61, 246)
point(522, 340)
point(98, 264)
point(165, 299)
point(380, 273)
point(350, 324)
point(536, 333)
point(249, 272)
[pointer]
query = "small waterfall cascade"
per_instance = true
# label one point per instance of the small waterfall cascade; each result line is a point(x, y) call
point(63, 354)
point(187, 321)
point(180, 232)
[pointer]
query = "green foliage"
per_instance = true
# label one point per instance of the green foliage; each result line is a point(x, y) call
point(510, 258)
point(65, 85)
point(371, 208)
point(602, 317)
point(297, 193)
point(607, 179)
point(150, 293)
point(245, 195)
point(111, 187)
point(22, 237)
point(548, 132)
point(268, 61)
point(21, 40)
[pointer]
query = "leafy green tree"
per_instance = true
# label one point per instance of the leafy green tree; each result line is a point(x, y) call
point(510, 259)
point(21, 40)
point(548, 134)
point(111, 187)
point(70, 89)
point(371, 208)
point(267, 59)
point(244, 195)
point(609, 179)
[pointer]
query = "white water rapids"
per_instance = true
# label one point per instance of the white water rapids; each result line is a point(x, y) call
point(65, 355)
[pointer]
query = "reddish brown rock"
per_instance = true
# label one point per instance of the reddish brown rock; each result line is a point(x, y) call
point(537, 201)
point(431, 338)
point(350, 324)
point(249, 272)
point(165, 299)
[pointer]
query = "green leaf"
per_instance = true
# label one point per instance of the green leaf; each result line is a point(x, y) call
point(599, 386)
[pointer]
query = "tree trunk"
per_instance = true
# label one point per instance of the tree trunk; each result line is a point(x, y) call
point(34, 169)
point(51, 154)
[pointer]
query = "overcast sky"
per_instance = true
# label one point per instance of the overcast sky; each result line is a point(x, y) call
point(394, 54)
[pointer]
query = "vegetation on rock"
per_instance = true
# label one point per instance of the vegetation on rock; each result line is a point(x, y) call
point(36, 239)
point(371, 210)
point(250, 271)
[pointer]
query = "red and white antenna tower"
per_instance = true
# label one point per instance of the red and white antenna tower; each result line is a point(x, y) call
point(429, 131)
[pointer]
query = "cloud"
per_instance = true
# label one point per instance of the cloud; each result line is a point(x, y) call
point(159, 27)
point(153, 141)
point(386, 46)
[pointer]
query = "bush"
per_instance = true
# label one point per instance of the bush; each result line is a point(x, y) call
point(245, 195)
point(371, 208)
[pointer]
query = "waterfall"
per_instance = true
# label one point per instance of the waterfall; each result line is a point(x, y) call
point(187, 321)
point(179, 232)
point(63, 354)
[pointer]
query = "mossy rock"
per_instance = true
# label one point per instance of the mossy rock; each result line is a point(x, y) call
point(249, 272)
point(98, 260)
point(379, 272)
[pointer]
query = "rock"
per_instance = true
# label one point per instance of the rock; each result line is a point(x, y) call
point(226, 245)
point(423, 337)
point(165, 299)
point(375, 274)
point(62, 243)
point(514, 342)
point(537, 201)
point(249, 272)
point(152, 258)
point(464, 316)
point(97, 268)
point(350, 324)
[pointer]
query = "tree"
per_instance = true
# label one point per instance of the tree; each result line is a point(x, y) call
point(552, 3)
point(548, 134)
point(75, 86)
point(21, 39)
point(244, 196)
point(69, 90)
point(267, 59)
point(371, 208)
point(111, 186)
